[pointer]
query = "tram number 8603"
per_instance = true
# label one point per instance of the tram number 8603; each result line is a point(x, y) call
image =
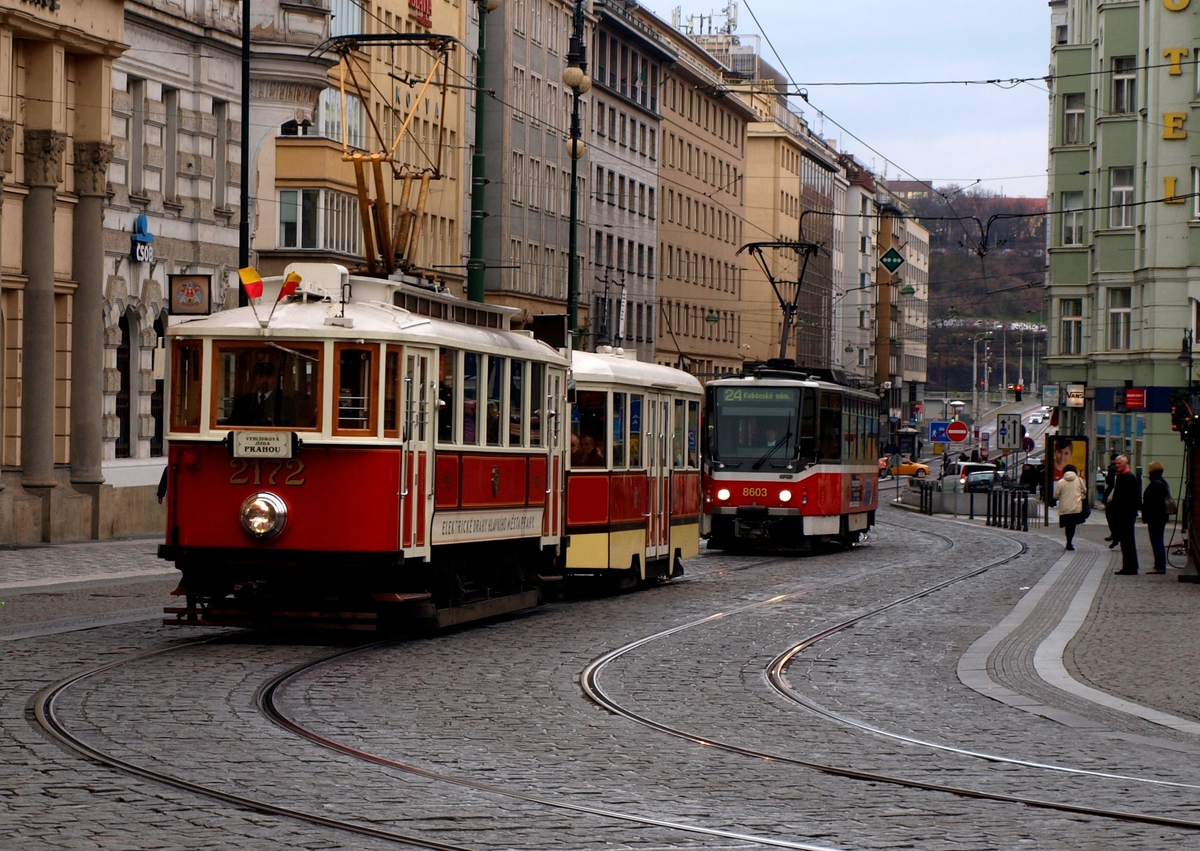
point(754, 491)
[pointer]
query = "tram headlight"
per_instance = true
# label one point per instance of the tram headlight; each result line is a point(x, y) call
point(785, 495)
point(723, 494)
point(264, 515)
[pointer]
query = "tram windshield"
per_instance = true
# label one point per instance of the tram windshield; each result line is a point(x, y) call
point(762, 427)
point(268, 386)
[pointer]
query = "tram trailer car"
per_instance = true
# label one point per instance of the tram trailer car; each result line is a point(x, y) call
point(633, 485)
point(361, 452)
point(790, 460)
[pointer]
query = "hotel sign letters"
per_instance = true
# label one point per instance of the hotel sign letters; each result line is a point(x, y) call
point(421, 12)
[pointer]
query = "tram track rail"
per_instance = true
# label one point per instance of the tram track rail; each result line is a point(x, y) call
point(590, 683)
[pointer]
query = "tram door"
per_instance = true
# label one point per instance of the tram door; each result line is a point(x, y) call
point(555, 419)
point(658, 472)
point(416, 486)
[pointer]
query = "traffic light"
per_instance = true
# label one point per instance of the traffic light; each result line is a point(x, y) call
point(1017, 392)
point(1181, 416)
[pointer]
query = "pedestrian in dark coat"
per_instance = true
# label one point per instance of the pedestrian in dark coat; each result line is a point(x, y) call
point(1154, 514)
point(1110, 476)
point(1123, 506)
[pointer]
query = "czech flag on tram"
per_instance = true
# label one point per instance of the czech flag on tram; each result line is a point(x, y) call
point(252, 282)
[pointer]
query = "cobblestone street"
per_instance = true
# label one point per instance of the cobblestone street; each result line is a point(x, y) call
point(953, 687)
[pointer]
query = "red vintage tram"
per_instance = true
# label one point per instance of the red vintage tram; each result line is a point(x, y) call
point(790, 459)
point(371, 450)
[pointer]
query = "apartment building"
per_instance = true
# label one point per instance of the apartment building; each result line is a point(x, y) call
point(1123, 286)
point(526, 233)
point(628, 62)
point(702, 220)
point(856, 305)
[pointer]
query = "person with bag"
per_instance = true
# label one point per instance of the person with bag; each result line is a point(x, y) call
point(1071, 494)
point(1123, 506)
point(1157, 507)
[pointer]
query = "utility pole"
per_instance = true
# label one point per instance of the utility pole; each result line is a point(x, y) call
point(475, 267)
point(244, 223)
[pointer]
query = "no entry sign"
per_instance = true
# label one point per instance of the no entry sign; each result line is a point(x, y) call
point(957, 431)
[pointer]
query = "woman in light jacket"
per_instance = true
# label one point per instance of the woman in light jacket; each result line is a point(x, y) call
point(1070, 492)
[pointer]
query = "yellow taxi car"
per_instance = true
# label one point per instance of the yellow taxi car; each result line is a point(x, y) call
point(907, 467)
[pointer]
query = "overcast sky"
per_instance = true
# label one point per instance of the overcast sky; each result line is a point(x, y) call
point(945, 133)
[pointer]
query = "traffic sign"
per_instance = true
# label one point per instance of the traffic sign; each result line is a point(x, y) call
point(1008, 431)
point(937, 431)
point(957, 431)
point(891, 260)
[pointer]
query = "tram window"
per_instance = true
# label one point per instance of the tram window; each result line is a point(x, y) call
point(185, 386)
point(267, 386)
point(356, 389)
point(830, 427)
point(587, 428)
point(447, 361)
point(678, 436)
point(693, 428)
point(516, 402)
point(391, 393)
point(635, 430)
point(495, 383)
point(470, 415)
point(423, 397)
point(618, 429)
point(537, 401)
point(808, 424)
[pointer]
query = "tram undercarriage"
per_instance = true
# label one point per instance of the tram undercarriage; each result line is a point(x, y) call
point(367, 592)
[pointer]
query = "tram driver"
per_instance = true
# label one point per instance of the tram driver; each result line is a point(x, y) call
point(265, 404)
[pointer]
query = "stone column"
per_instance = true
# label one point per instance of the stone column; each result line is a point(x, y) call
point(87, 330)
point(43, 164)
point(7, 127)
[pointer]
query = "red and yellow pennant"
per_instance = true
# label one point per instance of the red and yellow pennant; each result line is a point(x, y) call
point(289, 286)
point(252, 283)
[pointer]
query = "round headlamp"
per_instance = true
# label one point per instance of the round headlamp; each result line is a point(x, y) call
point(264, 515)
point(723, 494)
point(785, 495)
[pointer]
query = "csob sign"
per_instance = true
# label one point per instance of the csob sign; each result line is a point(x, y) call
point(141, 241)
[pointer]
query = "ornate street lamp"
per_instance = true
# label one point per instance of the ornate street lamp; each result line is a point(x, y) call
point(575, 77)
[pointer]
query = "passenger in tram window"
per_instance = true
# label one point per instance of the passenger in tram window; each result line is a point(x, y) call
point(576, 454)
point(589, 452)
point(445, 415)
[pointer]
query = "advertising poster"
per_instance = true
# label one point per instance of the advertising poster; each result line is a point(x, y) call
point(1062, 450)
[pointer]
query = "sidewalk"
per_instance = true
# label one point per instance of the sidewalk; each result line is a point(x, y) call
point(25, 569)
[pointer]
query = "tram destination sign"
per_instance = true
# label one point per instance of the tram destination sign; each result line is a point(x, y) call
point(262, 444)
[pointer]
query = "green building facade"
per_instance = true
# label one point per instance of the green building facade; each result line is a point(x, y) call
point(1124, 234)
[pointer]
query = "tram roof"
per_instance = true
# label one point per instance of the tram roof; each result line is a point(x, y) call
point(375, 321)
point(619, 367)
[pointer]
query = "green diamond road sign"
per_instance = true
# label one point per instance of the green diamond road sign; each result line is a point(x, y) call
point(891, 260)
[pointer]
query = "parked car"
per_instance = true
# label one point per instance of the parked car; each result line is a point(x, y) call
point(908, 467)
point(980, 481)
point(956, 479)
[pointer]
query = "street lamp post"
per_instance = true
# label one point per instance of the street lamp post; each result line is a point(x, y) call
point(975, 371)
point(576, 78)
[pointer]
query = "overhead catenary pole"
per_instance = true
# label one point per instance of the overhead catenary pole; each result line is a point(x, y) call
point(475, 266)
point(244, 223)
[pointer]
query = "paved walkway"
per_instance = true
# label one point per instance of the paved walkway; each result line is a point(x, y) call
point(25, 569)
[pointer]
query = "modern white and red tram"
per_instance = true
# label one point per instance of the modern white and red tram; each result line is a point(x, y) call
point(789, 459)
point(362, 450)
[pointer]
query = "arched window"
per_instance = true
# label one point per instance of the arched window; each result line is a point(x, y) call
point(125, 393)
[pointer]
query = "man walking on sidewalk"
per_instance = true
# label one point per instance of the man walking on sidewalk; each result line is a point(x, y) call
point(1123, 507)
